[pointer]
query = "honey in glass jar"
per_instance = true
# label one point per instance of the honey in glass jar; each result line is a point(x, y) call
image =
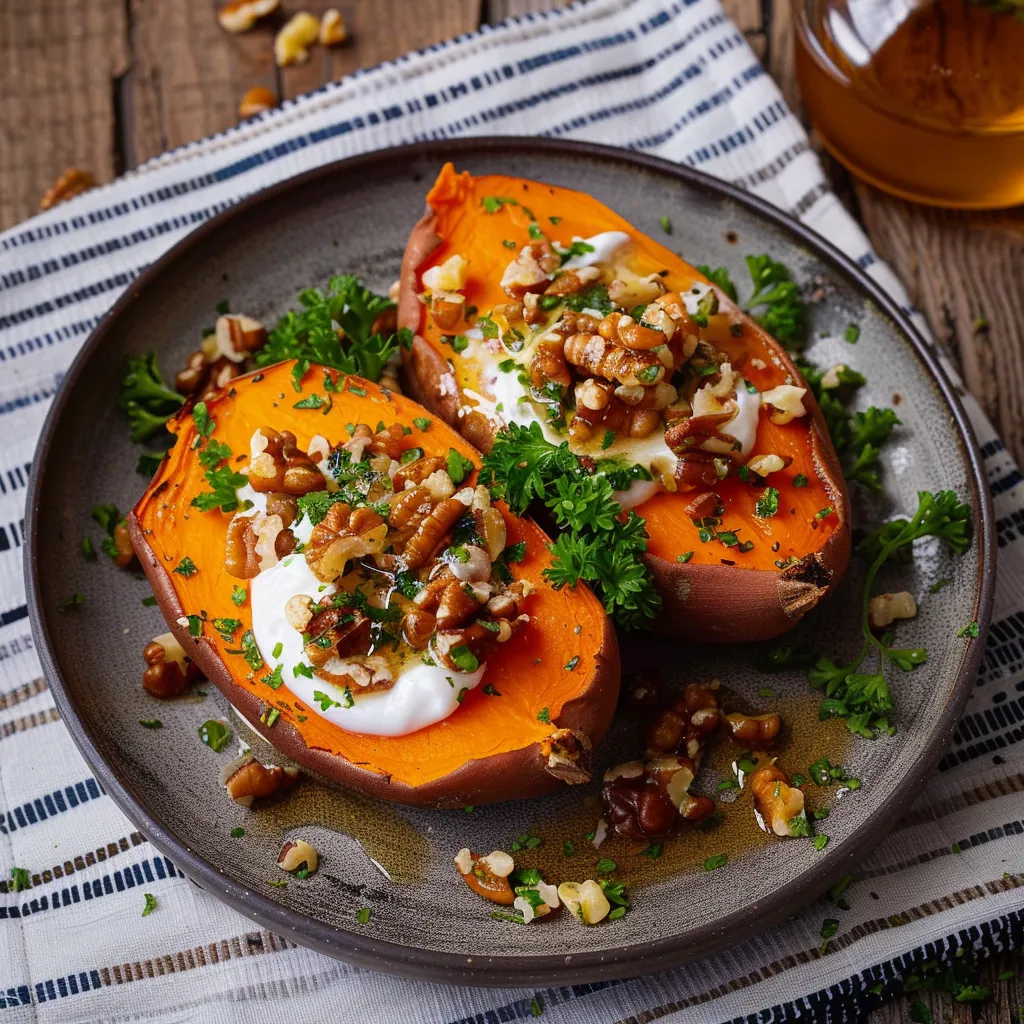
point(924, 99)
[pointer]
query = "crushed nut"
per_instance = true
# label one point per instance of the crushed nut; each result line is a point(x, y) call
point(332, 28)
point(885, 609)
point(292, 42)
point(487, 876)
point(754, 730)
point(778, 806)
point(73, 182)
point(786, 401)
point(449, 276)
point(278, 464)
point(684, 727)
point(241, 15)
point(236, 336)
point(645, 799)
point(763, 465)
point(567, 756)
point(258, 100)
point(168, 670)
point(250, 780)
point(586, 901)
point(296, 854)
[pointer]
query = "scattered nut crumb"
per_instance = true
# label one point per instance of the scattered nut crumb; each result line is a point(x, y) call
point(291, 45)
point(241, 15)
point(297, 853)
point(71, 183)
point(884, 609)
point(257, 100)
point(332, 28)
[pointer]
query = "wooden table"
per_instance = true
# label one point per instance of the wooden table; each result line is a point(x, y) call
point(107, 84)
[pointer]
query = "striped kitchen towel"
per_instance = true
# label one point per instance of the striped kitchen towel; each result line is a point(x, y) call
point(672, 78)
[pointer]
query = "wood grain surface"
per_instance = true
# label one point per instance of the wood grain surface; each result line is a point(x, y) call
point(107, 84)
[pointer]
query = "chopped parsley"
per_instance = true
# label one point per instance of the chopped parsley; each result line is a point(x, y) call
point(237, 832)
point(852, 334)
point(363, 915)
point(273, 679)
point(799, 480)
point(459, 467)
point(313, 401)
point(570, 665)
point(666, 224)
point(309, 335)
point(71, 602)
point(145, 398)
point(325, 702)
point(421, 422)
point(719, 860)
point(150, 905)
point(969, 631)
point(224, 483)
point(594, 545)
point(544, 715)
point(215, 734)
point(820, 841)
point(238, 595)
point(608, 440)
point(20, 880)
point(768, 504)
point(684, 557)
point(605, 866)
point(151, 723)
point(464, 659)
point(652, 850)
point(186, 567)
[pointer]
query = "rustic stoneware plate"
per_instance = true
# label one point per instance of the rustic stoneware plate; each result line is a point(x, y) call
point(354, 217)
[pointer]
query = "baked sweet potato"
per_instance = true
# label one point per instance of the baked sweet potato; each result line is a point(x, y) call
point(547, 694)
point(623, 349)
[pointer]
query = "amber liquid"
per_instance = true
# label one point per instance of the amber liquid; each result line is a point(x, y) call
point(924, 100)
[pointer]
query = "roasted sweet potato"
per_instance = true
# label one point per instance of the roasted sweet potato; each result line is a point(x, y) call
point(625, 350)
point(560, 671)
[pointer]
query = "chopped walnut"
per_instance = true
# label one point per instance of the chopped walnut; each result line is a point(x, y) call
point(645, 799)
point(250, 780)
point(685, 727)
point(278, 464)
point(586, 901)
point(237, 336)
point(567, 756)
point(786, 401)
point(168, 671)
point(332, 28)
point(754, 730)
point(778, 805)
point(449, 276)
point(241, 15)
point(73, 182)
point(297, 854)
point(257, 100)
point(529, 272)
point(885, 609)
point(344, 534)
point(292, 42)
point(487, 876)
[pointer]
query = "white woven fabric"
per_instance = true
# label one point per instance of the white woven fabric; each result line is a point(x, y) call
point(672, 78)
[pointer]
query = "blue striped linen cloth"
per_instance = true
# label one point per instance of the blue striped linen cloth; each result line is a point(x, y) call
point(676, 79)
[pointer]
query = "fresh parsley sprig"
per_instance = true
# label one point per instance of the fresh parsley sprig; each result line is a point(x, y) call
point(775, 303)
point(310, 335)
point(863, 699)
point(147, 401)
point(595, 545)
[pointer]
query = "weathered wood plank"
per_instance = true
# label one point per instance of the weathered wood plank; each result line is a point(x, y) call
point(58, 74)
point(188, 74)
point(378, 30)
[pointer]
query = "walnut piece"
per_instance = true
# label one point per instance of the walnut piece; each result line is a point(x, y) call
point(252, 780)
point(258, 100)
point(567, 756)
point(241, 15)
point(332, 28)
point(296, 854)
point(292, 42)
point(73, 182)
point(487, 876)
point(168, 671)
point(343, 535)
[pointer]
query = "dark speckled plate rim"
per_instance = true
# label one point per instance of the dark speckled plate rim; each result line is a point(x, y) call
point(630, 960)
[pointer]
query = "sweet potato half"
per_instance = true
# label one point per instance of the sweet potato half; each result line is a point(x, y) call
point(782, 564)
point(560, 671)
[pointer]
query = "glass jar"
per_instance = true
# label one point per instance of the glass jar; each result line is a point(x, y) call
point(923, 98)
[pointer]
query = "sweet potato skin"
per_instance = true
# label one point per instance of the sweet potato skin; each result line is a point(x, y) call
point(703, 602)
point(508, 774)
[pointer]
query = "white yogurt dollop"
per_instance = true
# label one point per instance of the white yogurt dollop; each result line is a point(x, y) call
point(422, 694)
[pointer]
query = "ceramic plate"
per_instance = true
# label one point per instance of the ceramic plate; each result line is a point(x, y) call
point(354, 216)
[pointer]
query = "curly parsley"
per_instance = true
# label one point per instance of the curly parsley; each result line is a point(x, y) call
point(595, 545)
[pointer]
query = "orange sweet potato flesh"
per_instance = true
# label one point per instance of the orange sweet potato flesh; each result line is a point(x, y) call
point(703, 599)
point(489, 748)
